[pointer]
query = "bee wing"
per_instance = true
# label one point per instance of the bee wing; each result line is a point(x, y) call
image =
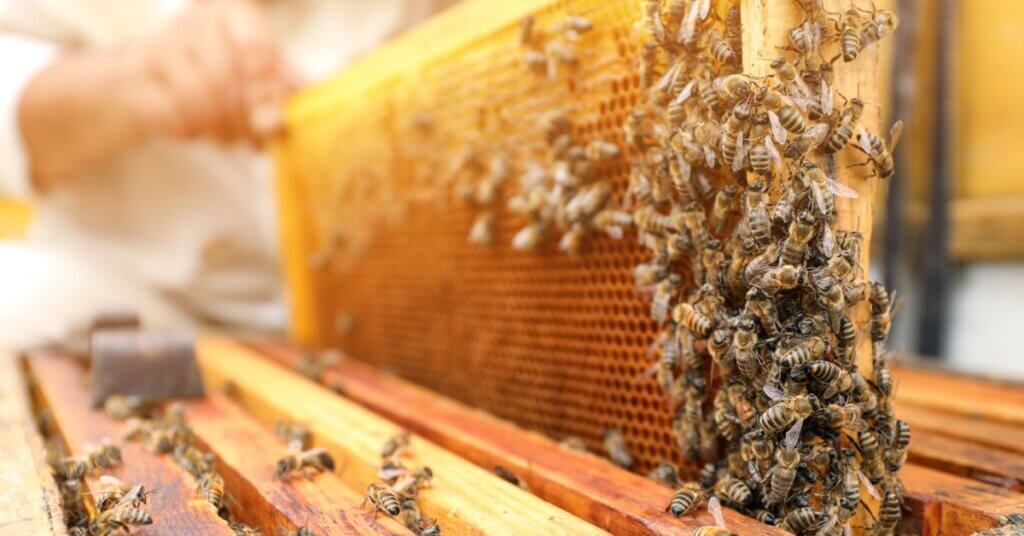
point(863, 139)
point(828, 240)
point(792, 438)
point(778, 131)
point(802, 88)
point(868, 485)
point(709, 155)
point(110, 480)
point(894, 134)
point(773, 152)
point(666, 79)
point(817, 132)
point(774, 391)
point(819, 198)
point(390, 473)
point(689, 25)
point(685, 93)
point(826, 529)
point(715, 509)
point(754, 470)
point(827, 101)
point(741, 153)
point(841, 189)
point(614, 231)
point(705, 9)
point(659, 309)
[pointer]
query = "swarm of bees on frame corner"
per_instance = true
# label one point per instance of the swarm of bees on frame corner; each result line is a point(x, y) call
point(396, 493)
point(752, 282)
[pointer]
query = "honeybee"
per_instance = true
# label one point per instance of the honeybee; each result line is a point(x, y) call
point(871, 453)
point(651, 221)
point(880, 153)
point(612, 222)
point(801, 231)
point(726, 203)
point(615, 445)
point(824, 372)
point(562, 52)
point(122, 407)
point(849, 27)
point(685, 315)
point(823, 189)
point(108, 521)
point(395, 444)
point(806, 350)
point(763, 309)
point(855, 292)
point(572, 240)
point(105, 456)
point(782, 474)
point(726, 421)
point(882, 23)
point(413, 519)
point(732, 139)
point(383, 499)
point(801, 519)
point(115, 493)
point(847, 340)
point(718, 345)
point(298, 436)
point(743, 341)
point(734, 490)
point(783, 116)
point(842, 131)
point(699, 11)
point(841, 417)
point(650, 273)
point(890, 512)
point(777, 279)
point(211, 487)
point(760, 265)
point(881, 312)
point(757, 212)
point(664, 293)
point(665, 473)
point(720, 49)
point(482, 230)
point(790, 78)
point(311, 461)
point(602, 151)
point(830, 296)
point(529, 237)
point(655, 24)
point(734, 29)
point(193, 460)
point(785, 412)
point(413, 481)
point(686, 499)
point(507, 475)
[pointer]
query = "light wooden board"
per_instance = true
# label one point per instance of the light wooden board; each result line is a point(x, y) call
point(29, 500)
point(464, 498)
point(585, 485)
point(960, 395)
point(60, 387)
point(956, 505)
point(246, 455)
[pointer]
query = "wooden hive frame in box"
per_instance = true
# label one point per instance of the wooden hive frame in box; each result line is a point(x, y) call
point(549, 342)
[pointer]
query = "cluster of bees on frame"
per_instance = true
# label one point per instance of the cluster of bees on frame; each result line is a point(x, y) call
point(752, 283)
point(396, 492)
point(118, 506)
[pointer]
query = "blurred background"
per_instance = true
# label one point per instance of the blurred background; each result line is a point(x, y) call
point(950, 235)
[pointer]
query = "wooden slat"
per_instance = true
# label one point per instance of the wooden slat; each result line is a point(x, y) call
point(953, 504)
point(29, 500)
point(974, 429)
point(464, 498)
point(960, 394)
point(968, 459)
point(988, 228)
point(584, 485)
point(246, 453)
point(60, 386)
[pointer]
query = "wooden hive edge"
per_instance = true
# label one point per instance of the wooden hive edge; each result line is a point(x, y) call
point(956, 482)
point(463, 498)
point(583, 484)
point(59, 387)
point(29, 500)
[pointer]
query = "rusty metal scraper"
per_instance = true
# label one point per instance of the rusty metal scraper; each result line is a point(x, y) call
point(154, 366)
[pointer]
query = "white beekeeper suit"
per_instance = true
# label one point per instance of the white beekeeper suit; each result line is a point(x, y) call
point(182, 232)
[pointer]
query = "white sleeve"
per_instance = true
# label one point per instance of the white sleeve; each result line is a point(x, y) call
point(23, 58)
